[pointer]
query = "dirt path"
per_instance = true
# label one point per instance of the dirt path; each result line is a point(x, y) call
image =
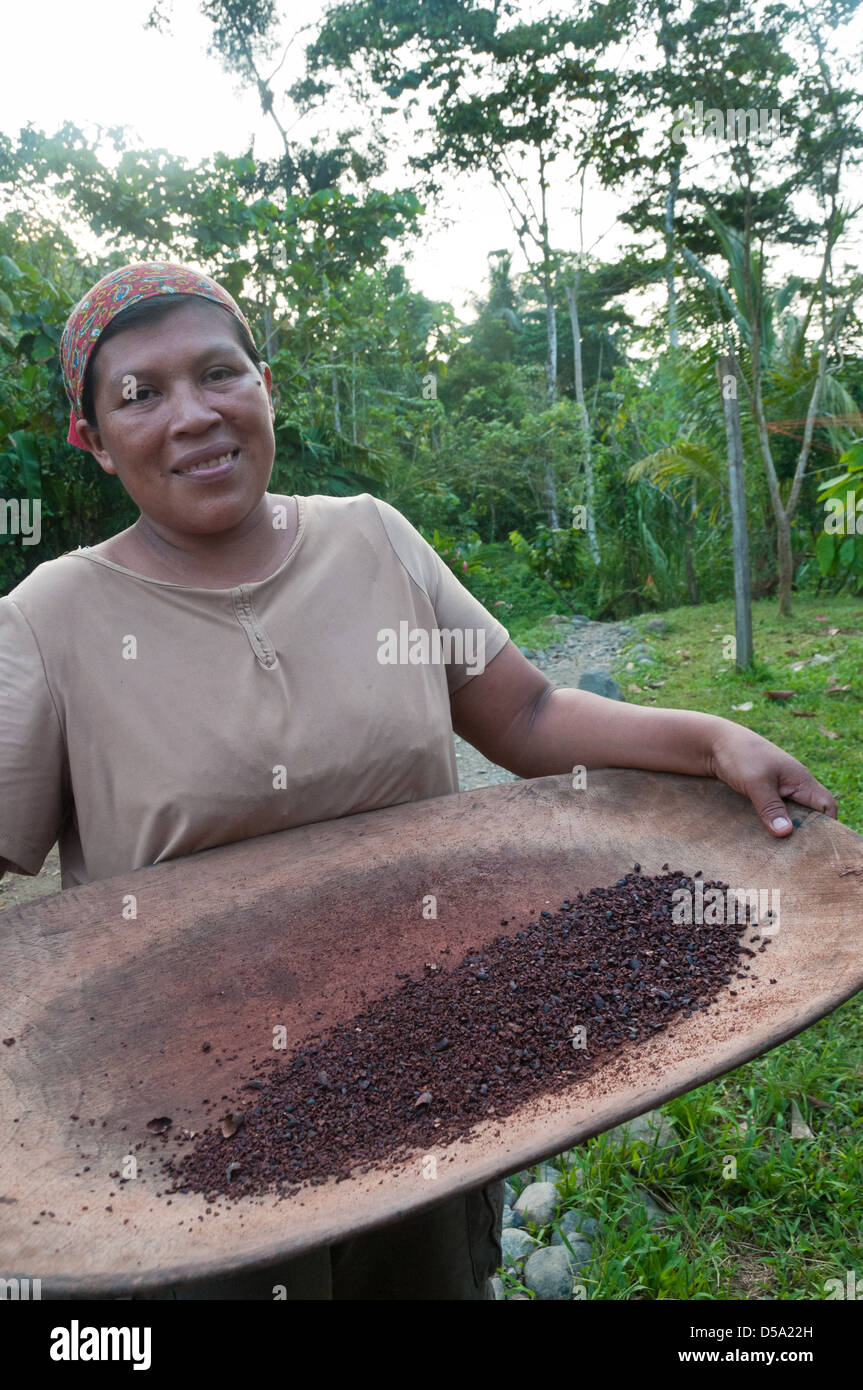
point(580, 647)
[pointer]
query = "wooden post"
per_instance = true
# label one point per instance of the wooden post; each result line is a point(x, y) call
point(726, 370)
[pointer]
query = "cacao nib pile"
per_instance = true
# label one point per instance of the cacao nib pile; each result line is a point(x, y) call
point(424, 1063)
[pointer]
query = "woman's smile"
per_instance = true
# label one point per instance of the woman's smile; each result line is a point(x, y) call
point(213, 466)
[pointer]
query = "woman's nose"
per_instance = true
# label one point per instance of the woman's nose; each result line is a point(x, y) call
point(189, 408)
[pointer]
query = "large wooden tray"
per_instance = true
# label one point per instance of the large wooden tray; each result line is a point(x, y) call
point(304, 928)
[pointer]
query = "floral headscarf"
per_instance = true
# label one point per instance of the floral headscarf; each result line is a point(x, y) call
point(108, 297)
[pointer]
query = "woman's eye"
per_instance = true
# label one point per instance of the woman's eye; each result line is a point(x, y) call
point(214, 373)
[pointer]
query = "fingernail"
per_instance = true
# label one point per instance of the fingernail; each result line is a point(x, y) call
point(780, 823)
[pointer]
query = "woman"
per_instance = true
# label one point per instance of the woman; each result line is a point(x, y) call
point(215, 672)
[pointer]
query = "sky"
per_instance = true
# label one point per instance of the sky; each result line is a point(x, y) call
point(94, 62)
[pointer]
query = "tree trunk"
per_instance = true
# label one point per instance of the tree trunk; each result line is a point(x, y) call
point(726, 370)
point(691, 581)
point(337, 417)
point(688, 534)
point(571, 289)
point(354, 394)
point(785, 560)
point(551, 336)
point(671, 290)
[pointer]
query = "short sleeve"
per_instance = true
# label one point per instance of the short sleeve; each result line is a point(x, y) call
point(32, 751)
point(473, 636)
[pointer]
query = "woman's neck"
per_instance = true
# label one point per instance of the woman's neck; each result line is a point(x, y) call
point(214, 562)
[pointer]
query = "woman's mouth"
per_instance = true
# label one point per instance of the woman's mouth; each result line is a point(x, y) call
point(217, 467)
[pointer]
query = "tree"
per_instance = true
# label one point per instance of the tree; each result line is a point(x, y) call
point(507, 99)
point(745, 63)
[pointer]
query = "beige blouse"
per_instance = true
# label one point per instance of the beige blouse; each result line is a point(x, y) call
point(142, 720)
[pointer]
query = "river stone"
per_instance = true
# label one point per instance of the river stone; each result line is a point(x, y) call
point(509, 1194)
point(656, 1217)
point(582, 1251)
point(497, 1285)
point(572, 1224)
point(650, 1129)
point(548, 1274)
point(540, 1172)
point(656, 625)
point(515, 1245)
point(511, 1218)
point(600, 683)
point(574, 1159)
point(538, 1203)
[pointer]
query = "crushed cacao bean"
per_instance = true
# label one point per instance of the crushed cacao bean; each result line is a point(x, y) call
point(447, 1049)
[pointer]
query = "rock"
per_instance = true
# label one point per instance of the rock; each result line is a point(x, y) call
point(656, 625)
point(579, 619)
point(799, 1127)
point(655, 1214)
point(600, 683)
point(656, 1217)
point(497, 1285)
point(538, 1203)
point(528, 652)
point(573, 1159)
point(546, 1172)
point(515, 1245)
point(582, 1251)
point(548, 1274)
point(511, 1218)
point(575, 1224)
point(509, 1194)
point(649, 1129)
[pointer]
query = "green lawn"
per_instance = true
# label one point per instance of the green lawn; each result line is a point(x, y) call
point(790, 1218)
point(695, 675)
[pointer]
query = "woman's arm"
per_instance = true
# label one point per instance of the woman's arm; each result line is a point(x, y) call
point(515, 717)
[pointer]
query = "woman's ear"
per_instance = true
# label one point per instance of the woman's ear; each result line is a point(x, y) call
point(272, 391)
point(92, 441)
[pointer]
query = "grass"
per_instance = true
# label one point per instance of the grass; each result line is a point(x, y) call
point(751, 1212)
point(689, 661)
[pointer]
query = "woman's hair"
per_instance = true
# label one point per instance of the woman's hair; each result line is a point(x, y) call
point(145, 312)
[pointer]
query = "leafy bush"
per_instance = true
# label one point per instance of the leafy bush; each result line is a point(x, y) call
point(839, 551)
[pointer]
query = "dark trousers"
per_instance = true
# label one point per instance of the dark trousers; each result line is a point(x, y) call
point(449, 1251)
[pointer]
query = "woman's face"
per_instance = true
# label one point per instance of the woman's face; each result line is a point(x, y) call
point(176, 394)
